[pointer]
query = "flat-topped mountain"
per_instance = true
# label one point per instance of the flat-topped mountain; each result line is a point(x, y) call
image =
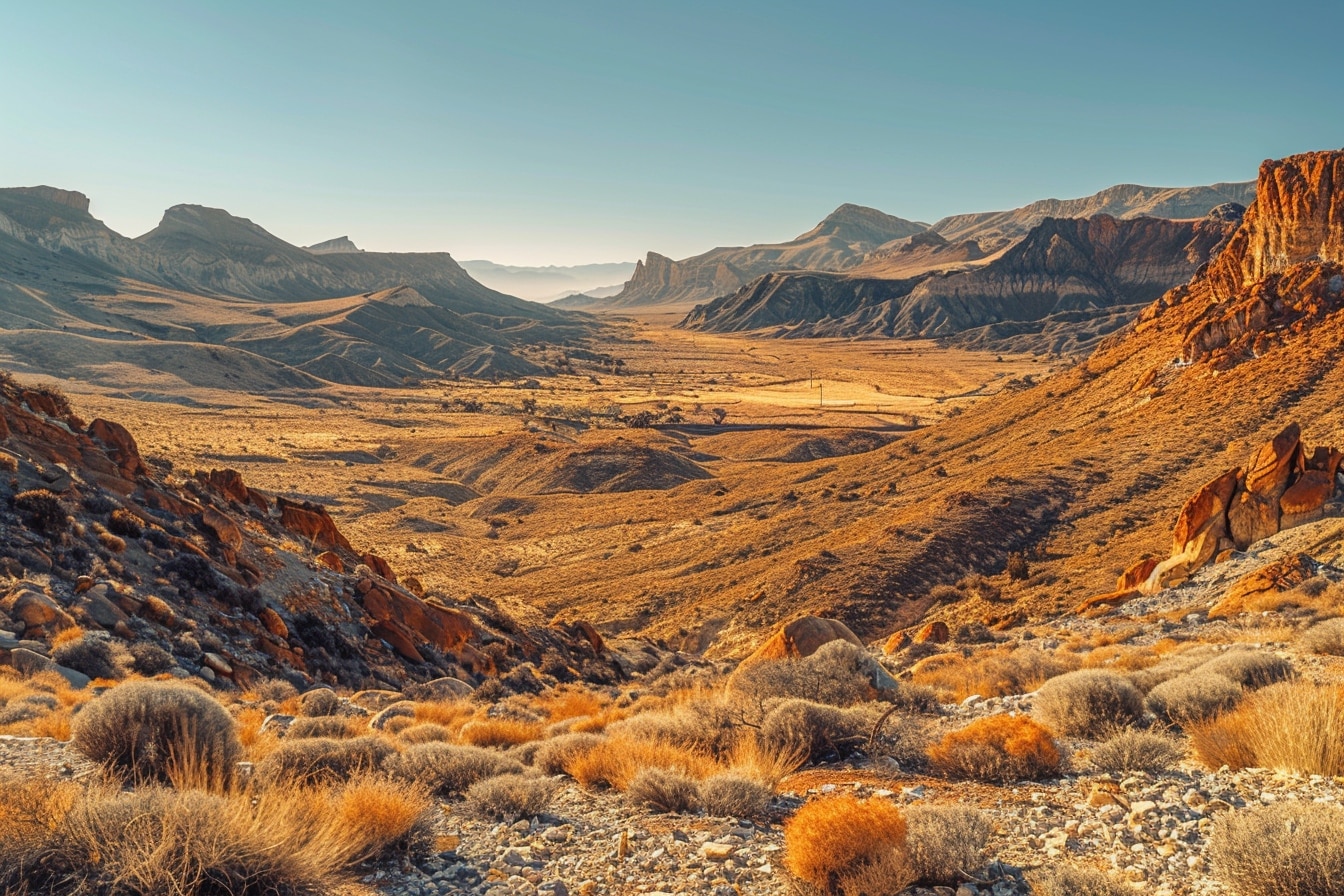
point(840, 240)
point(75, 292)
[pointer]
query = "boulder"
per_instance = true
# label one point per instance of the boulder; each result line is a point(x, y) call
point(1274, 578)
point(375, 700)
point(120, 447)
point(379, 566)
point(331, 560)
point(229, 483)
point(271, 621)
point(41, 616)
point(1136, 575)
point(28, 662)
point(312, 523)
point(402, 710)
point(447, 689)
point(1305, 499)
point(1200, 526)
point(933, 633)
point(1254, 514)
point(223, 528)
point(406, 615)
point(802, 637)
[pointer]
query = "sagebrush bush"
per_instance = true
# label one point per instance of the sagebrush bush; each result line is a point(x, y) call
point(731, 795)
point(499, 732)
point(1250, 668)
point(945, 844)
point(319, 726)
point(319, 702)
point(424, 733)
point(817, 730)
point(554, 755)
point(148, 658)
point(124, 523)
point(1196, 697)
point(1291, 726)
point(160, 731)
point(663, 790)
point(1325, 637)
point(1138, 751)
point(65, 838)
point(848, 847)
point(449, 769)
point(96, 657)
point(838, 674)
point(1074, 880)
point(322, 760)
point(42, 509)
point(510, 797)
point(1287, 848)
point(998, 748)
point(1088, 703)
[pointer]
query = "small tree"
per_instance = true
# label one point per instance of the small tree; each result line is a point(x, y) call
point(719, 415)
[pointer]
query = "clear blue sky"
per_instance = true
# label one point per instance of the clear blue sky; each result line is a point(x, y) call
point(549, 132)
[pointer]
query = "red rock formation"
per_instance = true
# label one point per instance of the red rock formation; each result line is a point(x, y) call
point(331, 560)
point(229, 483)
point(120, 446)
point(1278, 488)
point(379, 566)
point(414, 621)
point(1275, 578)
point(802, 637)
point(933, 633)
point(312, 523)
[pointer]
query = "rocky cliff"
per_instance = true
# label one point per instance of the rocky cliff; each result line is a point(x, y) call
point(840, 240)
point(1060, 284)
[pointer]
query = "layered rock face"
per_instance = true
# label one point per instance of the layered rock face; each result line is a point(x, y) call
point(839, 241)
point(1066, 271)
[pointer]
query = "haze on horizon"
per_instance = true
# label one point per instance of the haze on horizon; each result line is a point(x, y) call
point(530, 133)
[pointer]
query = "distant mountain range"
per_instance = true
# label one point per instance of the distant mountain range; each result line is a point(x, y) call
point(226, 302)
point(863, 240)
point(841, 239)
point(545, 284)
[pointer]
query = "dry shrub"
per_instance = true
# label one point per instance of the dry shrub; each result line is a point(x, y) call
point(448, 713)
point(838, 674)
point(991, 673)
point(159, 731)
point(124, 523)
point(424, 733)
point(499, 732)
point(510, 797)
point(1325, 638)
point(61, 838)
point(997, 748)
point(322, 726)
point(114, 543)
point(1196, 697)
point(1138, 751)
point(570, 703)
point(663, 790)
point(321, 760)
point(766, 763)
point(552, 756)
point(95, 656)
point(732, 795)
point(946, 844)
point(449, 769)
point(815, 730)
point(42, 509)
point(1250, 668)
point(1075, 880)
point(1283, 849)
point(846, 846)
point(148, 658)
point(1293, 726)
point(67, 636)
point(274, 690)
point(1088, 703)
point(614, 762)
point(319, 702)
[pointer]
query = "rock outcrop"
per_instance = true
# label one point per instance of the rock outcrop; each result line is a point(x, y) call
point(802, 637)
point(1245, 505)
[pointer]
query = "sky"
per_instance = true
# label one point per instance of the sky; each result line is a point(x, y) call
point(536, 133)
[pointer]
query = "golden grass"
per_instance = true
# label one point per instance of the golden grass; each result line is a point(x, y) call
point(451, 714)
point(499, 732)
point(847, 846)
point(1294, 726)
point(997, 748)
point(568, 703)
point(615, 761)
point(67, 636)
point(995, 672)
